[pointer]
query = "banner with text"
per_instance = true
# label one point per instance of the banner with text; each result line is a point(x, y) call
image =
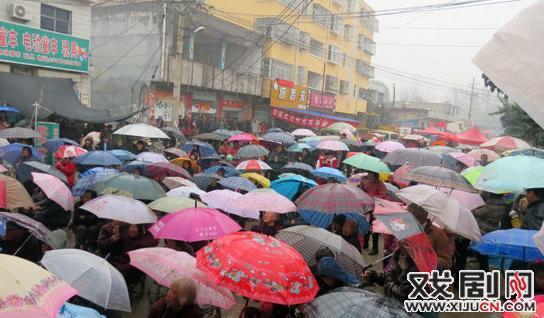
point(300, 120)
point(288, 95)
point(324, 101)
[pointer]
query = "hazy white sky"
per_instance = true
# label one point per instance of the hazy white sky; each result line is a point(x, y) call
point(417, 49)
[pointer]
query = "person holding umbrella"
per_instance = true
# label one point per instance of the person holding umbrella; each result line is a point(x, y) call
point(22, 171)
point(66, 166)
point(180, 301)
point(372, 185)
point(534, 217)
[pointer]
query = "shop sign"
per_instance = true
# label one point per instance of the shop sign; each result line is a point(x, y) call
point(203, 107)
point(288, 95)
point(25, 45)
point(324, 101)
point(231, 104)
point(311, 122)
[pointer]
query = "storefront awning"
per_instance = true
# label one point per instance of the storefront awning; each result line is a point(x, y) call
point(322, 115)
point(55, 95)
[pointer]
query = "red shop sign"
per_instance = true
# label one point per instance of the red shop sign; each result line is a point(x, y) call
point(325, 101)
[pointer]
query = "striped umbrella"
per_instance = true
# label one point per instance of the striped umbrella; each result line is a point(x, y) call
point(176, 152)
point(296, 167)
point(18, 133)
point(252, 151)
point(327, 172)
point(229, 171)
point(279, 137)
point(203, 180)
point(439, 177)
point(335, 198)
point(333, 145)
point(253, 165)
point(414, 157)
point(398, 175)
point(238, 183)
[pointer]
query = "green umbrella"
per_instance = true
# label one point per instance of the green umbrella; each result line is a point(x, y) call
point(368, 163)
point(512, 174)
point(140, 188)
point(472, 174)
point(299, 147)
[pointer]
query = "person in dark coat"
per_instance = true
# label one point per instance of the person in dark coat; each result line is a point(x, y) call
point(350, 232)
point(180, 301)
point(104, 144)
point(270, 224)
point(139, 147)
point(330, 276)
point(52, 215)
point(19, 240)
point(534, 217)
point(85, 224)
point(306, 157)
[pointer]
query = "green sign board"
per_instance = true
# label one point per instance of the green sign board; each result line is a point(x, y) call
point(25, 45)
point(47, 131)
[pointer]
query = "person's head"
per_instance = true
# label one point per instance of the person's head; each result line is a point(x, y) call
point(221, 172)
point(135, 231)
point(137, 171)
point(104, 138)
point(350, 228)
point(419, 213)
point(140, 145)
point(186, 165)
point(535, 195)
point(404, 261)
point(14, 232)
point(321, 253)
point(538, 270)
point(88, 195)
point(338, 223)
point(484, 158)
point(88, 142)
point(329, 154)
point(179, 246)
point(182, 292)
point(270, 218)
point(373, 176)
point(305, 152)
point(332, 275)
point(277, 148)
point(331, 180)
point(64, 160)
point(26, 152)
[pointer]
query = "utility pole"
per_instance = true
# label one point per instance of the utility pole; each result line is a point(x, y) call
point(394, 94)
point(471, 103)
point(163, 47)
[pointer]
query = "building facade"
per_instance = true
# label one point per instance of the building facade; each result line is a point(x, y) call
point(421, 115)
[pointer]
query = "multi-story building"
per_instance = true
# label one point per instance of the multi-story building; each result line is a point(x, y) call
point(422, 114)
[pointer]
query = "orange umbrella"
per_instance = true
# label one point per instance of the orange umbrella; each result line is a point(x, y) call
point(181, 160)
point(14, 194)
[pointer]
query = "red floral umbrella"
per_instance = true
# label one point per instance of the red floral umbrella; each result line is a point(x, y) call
point(243, 137)
point(258, 267)
point(160, 170)
point(69, 151)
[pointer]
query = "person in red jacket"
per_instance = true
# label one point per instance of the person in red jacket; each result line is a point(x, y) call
point(69, 169)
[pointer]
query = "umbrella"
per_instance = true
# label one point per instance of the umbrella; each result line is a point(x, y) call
point(443, 210)
point(340, 125)
point(160, 170)
point(476, 154)
point(501, 144)
point(97, 158)
point(210, 136)
point(302, 132)
point(203, 180)
point(253, 165)
point(298, 147)
point(120, 208)
point(535, 152)
point(280, 138)
point(472, 174)
point(274, 129)
point(368, 163)
point(416, 138)
point(173, 204)
point(54, 189)
point(335, 198)
point(440, 177)
point(243, 137)
point(462, 158)
point(29, 290)
point(53, 144)
point(414, 157)
point(34, 227)
point(469, 200)
point(12, 153)
point(166, 265)
point(151, 157)
point(356, 179)
point(74, 311)
point(18, 133)
point(398, 175)
point(229, 171)
point(297, 167)
point(223, 132)
point(3, 142)
point(441, 149)
point(94, 136)
point(389, 146)
point(307, 240)
point(123, 155)
point(184, 192)
point(252, 151)
point(176, 182)
point(141, 188)
point(85, 180)
point(238, 183)
point(348, 302)
point(278, 275)
point(141, 130)
point(512, 174)
point(174, 131)
point(257, 178)
point(539, 239)
point(69, 152)
point(513, 243)
point(133, 165)
point(205, 149)
point(220, 199)
point(194, 224)
point(176, 152)
point(332, 145)
point(269, 201)
point(180, 161)
point(42, 167)
point(94, 278)
point(327, 172)
point(16, 195)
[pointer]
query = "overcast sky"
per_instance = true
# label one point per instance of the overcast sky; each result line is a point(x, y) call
point(405, 44)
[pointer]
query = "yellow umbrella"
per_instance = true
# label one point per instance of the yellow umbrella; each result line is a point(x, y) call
point(27, 290)
point(179, 161)
point(16, 194)
point(174, 204)
point(255, 177)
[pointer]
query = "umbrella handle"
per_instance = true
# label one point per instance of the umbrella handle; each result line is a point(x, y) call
point(20, 247)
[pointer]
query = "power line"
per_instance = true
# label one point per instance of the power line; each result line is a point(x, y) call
point(431, 45)
point(438, 28)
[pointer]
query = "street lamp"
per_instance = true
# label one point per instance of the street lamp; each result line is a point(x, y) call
point(192, 41)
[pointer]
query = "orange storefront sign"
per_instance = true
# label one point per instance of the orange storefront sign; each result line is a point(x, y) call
point(286, 94)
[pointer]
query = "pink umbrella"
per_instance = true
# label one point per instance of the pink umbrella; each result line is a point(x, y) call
point(220, 199)
point(505, 143)
point(253, 165)
point(463, 158)
point(54, 189)
point(389, 146)
point(469, 200)
point(398, 175)
point(333, 145)
point(476, 154)
point(269, 201)
point(243, 137)
point(348, 133)
point(166, 265)
point(3, 169)
point(356, 179)
point(302, 132)
point(194, 224)
point(385, 207)
point(69, 151)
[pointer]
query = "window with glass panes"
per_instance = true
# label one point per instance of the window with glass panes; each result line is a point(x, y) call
point(56, 19)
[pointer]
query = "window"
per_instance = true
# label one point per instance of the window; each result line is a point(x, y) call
point(348, 31)
point(314, 80)
point(331, 83)
point(370, 23)
point(56, 19)
point(304, 40)
point(336, 25)
point(316, 48)
point(276, 69)
point(364, 69)
point(321, 15)
point(361, 41)
point(344, 59)
point(363, 93)
point(301, 75)
point(334, 54)
point(344, 87)
point(277, 30)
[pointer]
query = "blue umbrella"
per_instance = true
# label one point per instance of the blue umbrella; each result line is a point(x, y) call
point(97, 158)
point(12, 152)
point(229, 171)
point(324, 220)
point(206, 150)
point(123, 155)
point(238, 183)
point(299, 147)
point(290, 186)
point(326, 173)
point(535, 152)
point(73, 311)
point(514, 243)
point(53, 144)
point(91, 177)
point(274, 129)
point(136, 164)
point(9, 109)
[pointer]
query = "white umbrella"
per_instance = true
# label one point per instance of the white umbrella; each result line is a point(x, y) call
point(141, 130)
point(116, 207)
point(302, 132)
point(220, 199)
point(443, 210)
point(184, 192)
point(94, 278)
point(151, 157)
point(539, 239)
point(176, 182)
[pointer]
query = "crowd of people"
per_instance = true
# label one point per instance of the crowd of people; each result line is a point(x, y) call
point(113, 239)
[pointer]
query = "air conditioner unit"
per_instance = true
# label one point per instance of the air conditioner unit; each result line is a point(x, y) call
point(20, 11)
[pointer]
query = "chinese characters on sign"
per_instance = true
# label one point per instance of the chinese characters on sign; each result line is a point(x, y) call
point(288, 95)
point(312, 122)
point(324, 101)
point(24, 45)
point(227, 103)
